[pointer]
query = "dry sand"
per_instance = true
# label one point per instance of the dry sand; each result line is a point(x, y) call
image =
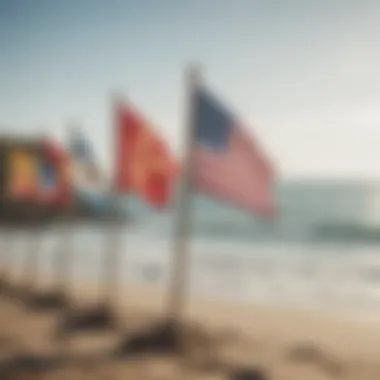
point(287, 345)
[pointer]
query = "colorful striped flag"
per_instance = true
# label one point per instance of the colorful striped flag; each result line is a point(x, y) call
point(21, 174)
point(228, 163)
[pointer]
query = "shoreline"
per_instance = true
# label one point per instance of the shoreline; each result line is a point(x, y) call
point(88, 287)
point(346, 283)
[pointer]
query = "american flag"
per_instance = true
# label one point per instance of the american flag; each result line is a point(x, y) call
point(228, 164)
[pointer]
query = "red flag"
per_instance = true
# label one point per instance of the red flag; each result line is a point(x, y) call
point(228, 163)
point(144, 165)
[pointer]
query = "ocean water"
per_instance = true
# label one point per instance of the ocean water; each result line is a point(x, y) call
point(322, 252)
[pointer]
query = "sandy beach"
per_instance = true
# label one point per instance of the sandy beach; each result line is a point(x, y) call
point(221, 339)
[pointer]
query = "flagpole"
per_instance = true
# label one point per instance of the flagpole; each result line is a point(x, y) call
point(5, 237)
point(111, 265)
point(8, 236)
point(64, 253)
point(182, 222)
point(32, 260)
point(113, 246)
point(2, 252)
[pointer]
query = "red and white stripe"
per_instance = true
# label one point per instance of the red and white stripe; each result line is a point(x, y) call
point(241, 174)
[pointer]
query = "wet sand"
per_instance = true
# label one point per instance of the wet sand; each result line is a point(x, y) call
point(220, 339)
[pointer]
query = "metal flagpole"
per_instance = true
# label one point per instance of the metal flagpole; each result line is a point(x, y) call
point(7, 242)
point(114, 231)
point(32, 259)
point(4, 253)
point(64, 253)
point(63, 258)
point(111, 264)
point(182, 222)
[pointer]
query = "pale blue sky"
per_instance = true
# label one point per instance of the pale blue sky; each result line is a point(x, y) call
point(303, 74)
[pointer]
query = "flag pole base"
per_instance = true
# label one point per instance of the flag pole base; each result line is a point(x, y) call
point(86, 320)
point(163, 337)
point(10, 290)
point(7, 289)
point(46, 301)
